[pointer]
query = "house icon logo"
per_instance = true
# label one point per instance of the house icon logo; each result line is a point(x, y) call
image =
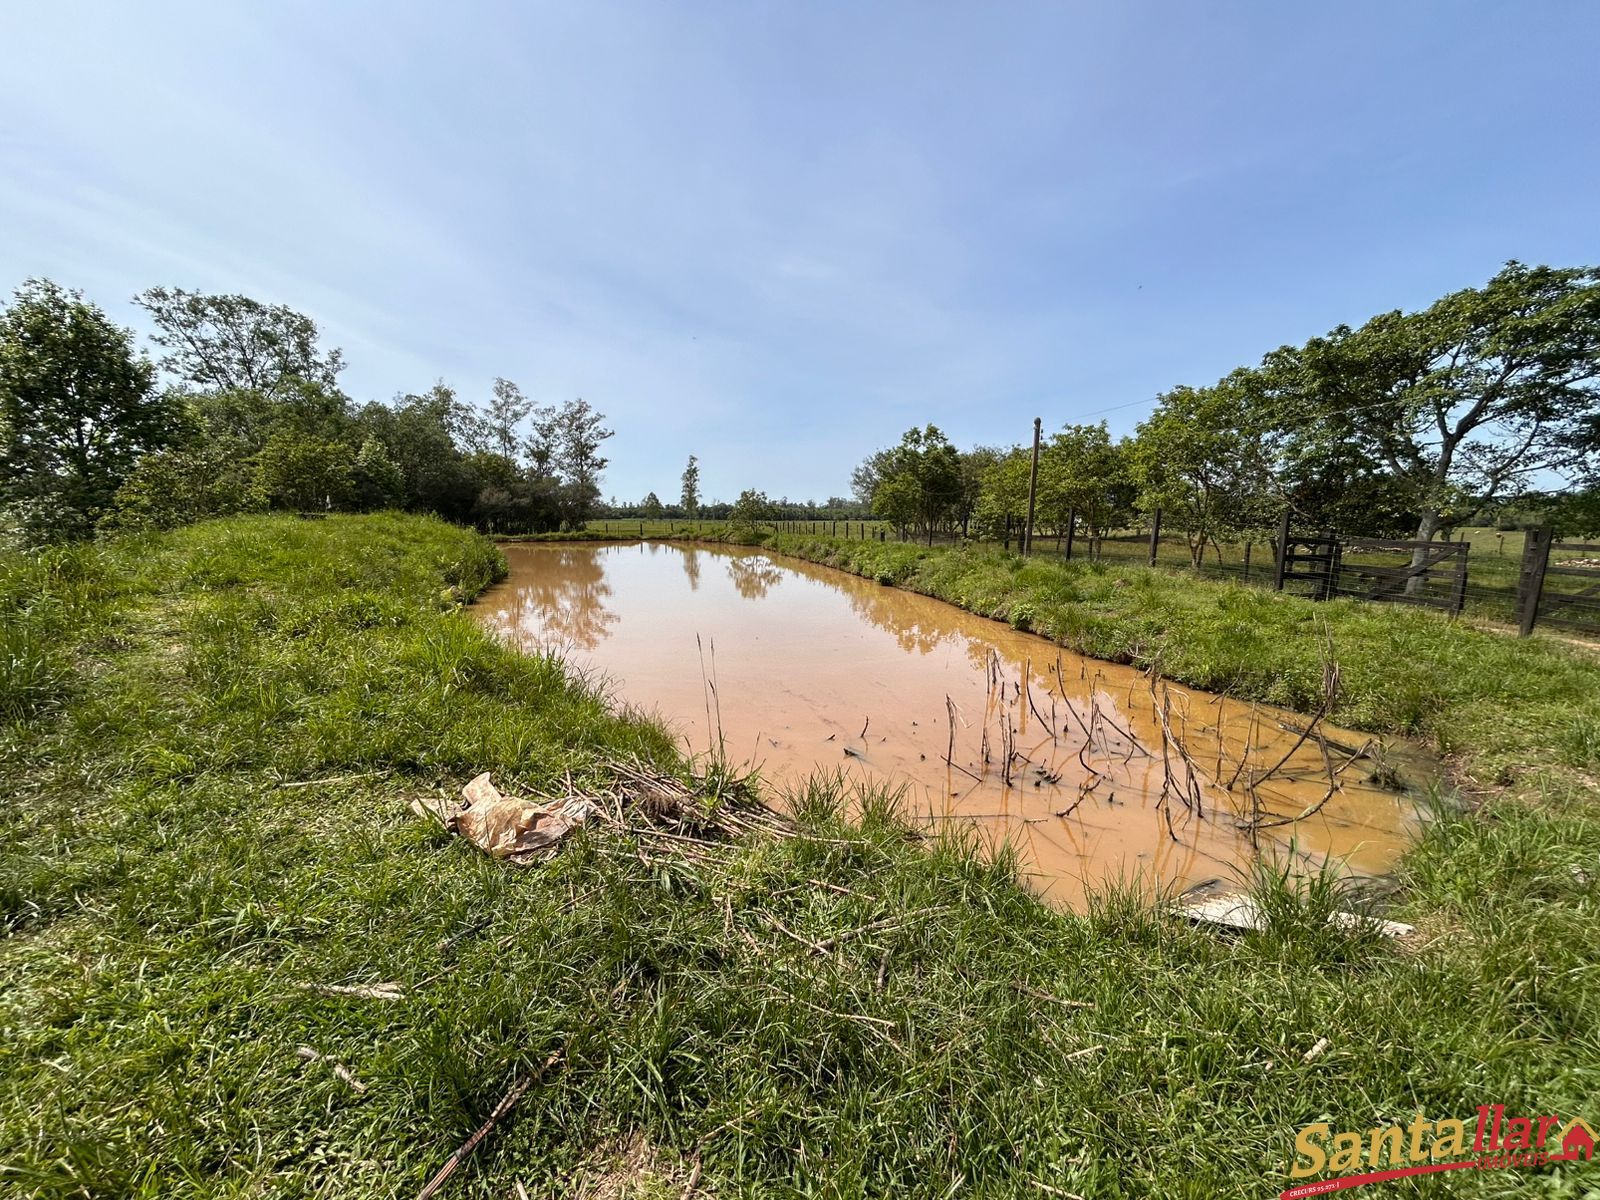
point(1578, 1139)
point(1497, 1141)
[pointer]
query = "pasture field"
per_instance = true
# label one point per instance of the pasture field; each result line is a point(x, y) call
point(212, 739)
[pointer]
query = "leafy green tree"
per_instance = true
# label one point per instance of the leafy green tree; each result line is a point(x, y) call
point(78, 408)
point(419, 433)
point(975, 463)
point(1335, 485)
point(1575, 514)
point(507, 411)
point(376, 479)
point(1003, 496)
point(690, 497)
point(1082, 471)
point(1462, 403)
point(1200, 461)
point(234, 343)
point(865, 478)
point(750, 511)
point(566, 443)
point(308, 474)
point(652, 508)
point(918, 484)
point(241, 420)
point(511, 498)
point(247, 420)
point(179, 486)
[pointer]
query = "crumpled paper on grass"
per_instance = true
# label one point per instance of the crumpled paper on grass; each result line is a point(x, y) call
point(518, 831)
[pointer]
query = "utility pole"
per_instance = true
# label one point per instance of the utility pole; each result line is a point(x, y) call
point(1033, 490)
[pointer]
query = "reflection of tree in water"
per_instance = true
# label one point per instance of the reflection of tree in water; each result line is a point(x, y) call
point(916, 623)
point(755, 576)
point(559, 598)
point(884, 609)
point(691, 566)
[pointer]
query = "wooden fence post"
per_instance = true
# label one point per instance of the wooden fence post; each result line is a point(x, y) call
point(1025, 543)
point(1530, 581)
point(1283, 552)
point(1155, 535)
point(1072, 521)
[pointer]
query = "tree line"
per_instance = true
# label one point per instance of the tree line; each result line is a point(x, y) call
point(241, 411)
point(1408, 425)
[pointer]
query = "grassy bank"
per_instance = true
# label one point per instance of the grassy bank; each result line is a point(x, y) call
point(211, 742)
point(1502, 710)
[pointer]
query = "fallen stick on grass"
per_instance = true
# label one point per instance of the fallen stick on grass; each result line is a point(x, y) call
point(1038, 995)
point(507, 1102)
point(362, 991)
point(300, 783)
point(341, 1072)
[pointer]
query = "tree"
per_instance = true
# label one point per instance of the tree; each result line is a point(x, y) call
point(178, 486)
point(419, 434)
point(975, 464)
point(749, 511)
point(1003, 496)
point(652, 508)
point(1575, 514)
point(865, 478)
point(566, 443)
point(1198, 460)
point(916, 484)
point(691, 488)
point(234, 342)
point(305, 473)
point(77, 410)
point(376, 479)
point(507, 410)
point(1082, 471)
point(1464, 402)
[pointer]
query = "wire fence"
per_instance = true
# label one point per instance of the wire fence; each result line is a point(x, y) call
point(626, 527)
point(1512, 577)
point(1520, 578)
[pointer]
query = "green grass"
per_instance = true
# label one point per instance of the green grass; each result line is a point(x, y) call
point(165, 896)
point(1501, 709)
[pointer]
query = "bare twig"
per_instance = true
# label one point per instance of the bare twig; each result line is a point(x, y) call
point(363, 991)
point(507, 1102)
point(341, 1072)
point(1038, 995)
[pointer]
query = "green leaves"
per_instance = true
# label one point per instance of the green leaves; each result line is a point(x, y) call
point(77, 409)
point(221, 342)
point(1203, 461)
point(1460, 404)
point(918, 483)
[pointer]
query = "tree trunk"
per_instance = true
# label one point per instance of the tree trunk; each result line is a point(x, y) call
point(1426, 528)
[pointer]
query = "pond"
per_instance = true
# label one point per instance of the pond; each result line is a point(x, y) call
point(1092, 770)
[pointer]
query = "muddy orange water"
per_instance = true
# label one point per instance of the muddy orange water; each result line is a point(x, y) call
point(1089, 769)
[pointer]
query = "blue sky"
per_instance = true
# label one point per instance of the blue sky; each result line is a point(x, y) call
point(776, 235)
